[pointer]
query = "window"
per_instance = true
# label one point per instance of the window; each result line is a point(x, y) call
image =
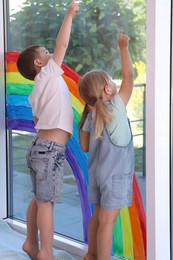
point(92, 45)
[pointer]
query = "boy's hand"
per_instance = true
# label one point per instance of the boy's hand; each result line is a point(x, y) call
point(73, 8)
point(123, 40)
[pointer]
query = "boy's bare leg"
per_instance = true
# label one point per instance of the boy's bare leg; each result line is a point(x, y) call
point(107, 219)
point(45, 225)
point(92, 235)
point(31, 243)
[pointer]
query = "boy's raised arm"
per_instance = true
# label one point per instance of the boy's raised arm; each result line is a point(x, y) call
point(63, 36)
point(127, 69)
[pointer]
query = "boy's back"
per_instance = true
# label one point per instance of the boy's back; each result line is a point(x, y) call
point(51, 105)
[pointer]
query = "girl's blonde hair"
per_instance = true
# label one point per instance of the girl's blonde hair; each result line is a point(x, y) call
point(91, 87)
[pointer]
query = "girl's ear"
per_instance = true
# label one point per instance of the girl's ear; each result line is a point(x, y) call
point(37, 63)
point(107, 90)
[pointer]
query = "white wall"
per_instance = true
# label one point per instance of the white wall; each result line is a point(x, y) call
point(3, 187)
point(158, 129)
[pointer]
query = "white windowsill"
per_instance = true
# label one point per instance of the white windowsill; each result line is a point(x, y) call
point(74, 248)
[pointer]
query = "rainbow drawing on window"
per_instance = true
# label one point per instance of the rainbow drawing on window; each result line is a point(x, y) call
point(129, 236)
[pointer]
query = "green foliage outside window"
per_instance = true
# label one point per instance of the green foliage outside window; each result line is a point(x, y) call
point(93, 43)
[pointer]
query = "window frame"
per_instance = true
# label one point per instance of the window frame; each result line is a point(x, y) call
point(3, 150)
point(158, 129)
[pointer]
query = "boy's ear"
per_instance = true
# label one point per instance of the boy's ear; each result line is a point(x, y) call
point(37, 63)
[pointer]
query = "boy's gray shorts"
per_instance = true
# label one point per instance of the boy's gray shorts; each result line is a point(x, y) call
point(45, 159)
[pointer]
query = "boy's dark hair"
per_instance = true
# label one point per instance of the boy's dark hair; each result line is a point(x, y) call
point(25, 62)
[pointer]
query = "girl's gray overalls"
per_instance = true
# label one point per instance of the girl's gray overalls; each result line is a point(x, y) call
point(110, 170)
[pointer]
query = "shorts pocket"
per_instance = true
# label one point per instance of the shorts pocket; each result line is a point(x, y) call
point(28, 155)
point(40, 167)
point(60, 159)
point(28, 160)
point(122, 186)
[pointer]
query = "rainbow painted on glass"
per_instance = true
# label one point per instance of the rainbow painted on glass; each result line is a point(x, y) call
point(129, 236)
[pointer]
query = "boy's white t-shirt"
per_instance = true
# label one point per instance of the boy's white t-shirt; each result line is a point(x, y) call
point(50, 99)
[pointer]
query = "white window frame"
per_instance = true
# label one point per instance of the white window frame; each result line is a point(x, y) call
point(3, 158)
point(158, 129)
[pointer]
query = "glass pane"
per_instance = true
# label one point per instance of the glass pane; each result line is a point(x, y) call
point(93, 41)
point(22, 191)
point(68, 215)
point(93, 45)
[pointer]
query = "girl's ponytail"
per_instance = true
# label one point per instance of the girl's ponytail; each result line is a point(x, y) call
point(102, 116)
point(84, 115)
point(91, 87)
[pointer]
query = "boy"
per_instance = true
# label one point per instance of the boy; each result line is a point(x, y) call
point(53, 117)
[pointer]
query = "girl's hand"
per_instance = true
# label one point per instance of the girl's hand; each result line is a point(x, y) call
point(73, 8)
point(123, 40)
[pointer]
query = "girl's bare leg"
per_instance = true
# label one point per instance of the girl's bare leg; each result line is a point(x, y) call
point(31, 243)
point(107, 219)
point(45, 224)
point(92, 234)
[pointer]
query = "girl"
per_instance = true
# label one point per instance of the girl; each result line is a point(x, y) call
point(105, 132)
